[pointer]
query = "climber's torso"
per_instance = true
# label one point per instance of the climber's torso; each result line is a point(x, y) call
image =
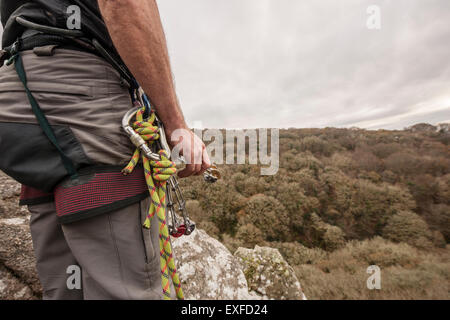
point(53, 13)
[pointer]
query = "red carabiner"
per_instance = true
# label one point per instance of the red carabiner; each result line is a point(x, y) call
point(181, 230)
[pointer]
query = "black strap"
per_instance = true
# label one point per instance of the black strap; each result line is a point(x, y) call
point(41, 118)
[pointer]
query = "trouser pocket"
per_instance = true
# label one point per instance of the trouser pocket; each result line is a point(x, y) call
point(29, 157)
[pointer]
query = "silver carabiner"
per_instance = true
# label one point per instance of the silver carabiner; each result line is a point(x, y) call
point(188, 226)
point(135, 138)
point(212, 174)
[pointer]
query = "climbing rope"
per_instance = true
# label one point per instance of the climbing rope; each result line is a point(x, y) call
point(157, 173)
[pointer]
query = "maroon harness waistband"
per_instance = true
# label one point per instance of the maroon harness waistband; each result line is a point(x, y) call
point(97, 190)
point(32, 196)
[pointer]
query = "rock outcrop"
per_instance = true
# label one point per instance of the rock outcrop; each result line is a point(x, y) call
point(18, 279)
point(269, 275)
point(12, 287)
point(208, 270)
point(443, 127)
point(17, 263)
point(426, 127)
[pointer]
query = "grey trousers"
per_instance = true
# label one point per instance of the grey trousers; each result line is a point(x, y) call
point(118, 259)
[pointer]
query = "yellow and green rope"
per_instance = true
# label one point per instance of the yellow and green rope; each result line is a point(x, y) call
point(157, 173)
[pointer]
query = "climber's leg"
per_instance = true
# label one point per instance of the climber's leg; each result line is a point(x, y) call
point(53, 255)
point(119, 258)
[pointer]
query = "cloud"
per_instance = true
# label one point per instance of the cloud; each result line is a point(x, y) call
point(309, 63)
point(288, 63)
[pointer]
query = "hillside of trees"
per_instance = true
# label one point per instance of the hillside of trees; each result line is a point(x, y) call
point(343, 199)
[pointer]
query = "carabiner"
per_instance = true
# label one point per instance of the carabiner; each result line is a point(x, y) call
point(212, 174)
point(135, 138)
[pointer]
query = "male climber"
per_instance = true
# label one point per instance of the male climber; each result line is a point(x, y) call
point(84, 96)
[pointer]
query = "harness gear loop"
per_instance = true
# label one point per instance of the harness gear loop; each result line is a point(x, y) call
point(157, 173)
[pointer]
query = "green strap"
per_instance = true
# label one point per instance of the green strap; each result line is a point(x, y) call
point(42, 119)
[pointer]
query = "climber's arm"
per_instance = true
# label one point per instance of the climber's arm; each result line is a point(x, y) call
point(136, 30)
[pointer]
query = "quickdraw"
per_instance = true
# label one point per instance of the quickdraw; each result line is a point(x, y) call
point(150, 140)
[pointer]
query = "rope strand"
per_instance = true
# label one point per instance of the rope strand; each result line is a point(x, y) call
point(157, 173)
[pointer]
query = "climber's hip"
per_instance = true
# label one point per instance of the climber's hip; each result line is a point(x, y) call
point(84, 100)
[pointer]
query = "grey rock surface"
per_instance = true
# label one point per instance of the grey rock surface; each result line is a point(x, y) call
point(12, 288)
point(208, 270)
point(269, 275)
point(17, 257)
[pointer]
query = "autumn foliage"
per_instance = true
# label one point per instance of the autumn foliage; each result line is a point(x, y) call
point(341, 200)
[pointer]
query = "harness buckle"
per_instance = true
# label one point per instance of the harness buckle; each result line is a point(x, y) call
point(15, 48)
point(45, 51)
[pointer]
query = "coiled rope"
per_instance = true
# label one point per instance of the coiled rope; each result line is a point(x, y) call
point(157, 173)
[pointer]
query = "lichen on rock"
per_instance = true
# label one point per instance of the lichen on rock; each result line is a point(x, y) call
point(268, 274)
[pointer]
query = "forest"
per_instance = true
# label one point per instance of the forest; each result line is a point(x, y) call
point(342, 200)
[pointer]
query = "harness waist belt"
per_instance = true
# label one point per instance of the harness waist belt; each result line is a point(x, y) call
point(39, 40)
point(96, 190)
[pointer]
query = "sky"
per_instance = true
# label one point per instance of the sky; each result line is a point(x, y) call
point(309, 63)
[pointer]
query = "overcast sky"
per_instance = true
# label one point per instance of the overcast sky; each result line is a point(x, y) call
point(310, 63)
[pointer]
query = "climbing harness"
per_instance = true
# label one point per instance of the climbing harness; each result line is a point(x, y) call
point(43, 35)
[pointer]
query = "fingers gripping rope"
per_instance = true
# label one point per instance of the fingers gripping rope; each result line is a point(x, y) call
point(157, 173)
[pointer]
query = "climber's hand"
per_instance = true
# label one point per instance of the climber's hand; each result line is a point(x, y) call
point(184, 142)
